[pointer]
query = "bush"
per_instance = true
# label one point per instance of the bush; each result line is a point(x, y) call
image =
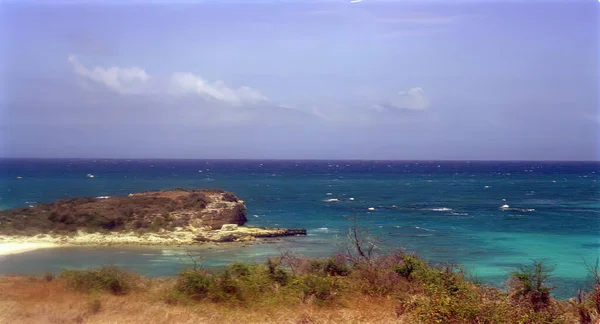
point(193, 284)
point(329, 267)
point(110, 279)
point(225, 287)
point(530, 283)
point(276, 273)
point(322, 288)
point(410, 267)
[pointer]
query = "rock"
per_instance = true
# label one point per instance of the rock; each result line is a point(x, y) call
point(229, 227)
point(177, 209)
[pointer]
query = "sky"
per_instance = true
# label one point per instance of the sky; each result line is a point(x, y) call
point(376, 79)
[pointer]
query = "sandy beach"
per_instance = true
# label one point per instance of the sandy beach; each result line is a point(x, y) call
point(16, 248)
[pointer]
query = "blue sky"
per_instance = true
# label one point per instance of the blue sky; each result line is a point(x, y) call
point(300, 79)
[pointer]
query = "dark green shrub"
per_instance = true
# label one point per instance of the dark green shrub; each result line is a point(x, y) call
point(330, 267)
point(110, 279)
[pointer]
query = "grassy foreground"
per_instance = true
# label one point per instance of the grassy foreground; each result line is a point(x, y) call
point(393, 288)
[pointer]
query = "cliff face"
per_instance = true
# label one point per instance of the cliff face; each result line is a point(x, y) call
point(146, 211)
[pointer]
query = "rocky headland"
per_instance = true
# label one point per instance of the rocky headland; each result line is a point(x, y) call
point(169, 217)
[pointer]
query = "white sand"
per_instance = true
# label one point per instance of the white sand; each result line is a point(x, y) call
point(15, 248)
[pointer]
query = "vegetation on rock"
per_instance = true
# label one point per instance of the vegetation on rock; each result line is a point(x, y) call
point(148, 211)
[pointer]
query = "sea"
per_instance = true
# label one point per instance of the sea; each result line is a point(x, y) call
point(445, 211)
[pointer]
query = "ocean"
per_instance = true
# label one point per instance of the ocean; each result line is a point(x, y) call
point(444, 211)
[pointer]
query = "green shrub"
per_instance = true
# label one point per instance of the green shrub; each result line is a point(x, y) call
point(276, 273)
point(530, 283)
point(322, 288)
point(225, 287)
point(239, 269)
point(410, 267)
point(330, 267)
point(193, 284)
point(110, 279)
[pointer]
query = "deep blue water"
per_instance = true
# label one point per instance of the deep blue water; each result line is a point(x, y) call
point(445, 211)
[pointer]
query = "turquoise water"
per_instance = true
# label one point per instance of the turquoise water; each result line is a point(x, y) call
point(445, 211)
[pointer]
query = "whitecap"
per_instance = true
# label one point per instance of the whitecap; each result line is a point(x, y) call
point(331, 200)
point(440, 209)
point(460, 214)
point(350, 198)
point(371, 209)
point(424, 229)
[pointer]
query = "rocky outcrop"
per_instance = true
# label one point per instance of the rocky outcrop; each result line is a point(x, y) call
point(146, 212)
point(170, 217)
point(242, 234)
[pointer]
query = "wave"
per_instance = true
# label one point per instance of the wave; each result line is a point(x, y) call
point(425, 229)
point(439, 209)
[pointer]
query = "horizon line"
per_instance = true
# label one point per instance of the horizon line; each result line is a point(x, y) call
point(292, 159)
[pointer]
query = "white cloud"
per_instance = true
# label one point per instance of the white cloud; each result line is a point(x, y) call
point(135, 80)
point(188, 83)
point(122, 80)
point(411, 99)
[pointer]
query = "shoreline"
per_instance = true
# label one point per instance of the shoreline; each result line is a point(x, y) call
point(242, 236)
point(13, 248)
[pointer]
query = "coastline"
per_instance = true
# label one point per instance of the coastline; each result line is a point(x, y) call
point(22, 247)
point(15, 244)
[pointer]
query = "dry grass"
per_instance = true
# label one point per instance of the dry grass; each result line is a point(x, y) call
point(31, 300)
point(395, 288)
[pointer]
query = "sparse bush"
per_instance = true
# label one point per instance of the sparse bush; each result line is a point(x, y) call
point(109, 279)
point(276, 273)
point(530, 283)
